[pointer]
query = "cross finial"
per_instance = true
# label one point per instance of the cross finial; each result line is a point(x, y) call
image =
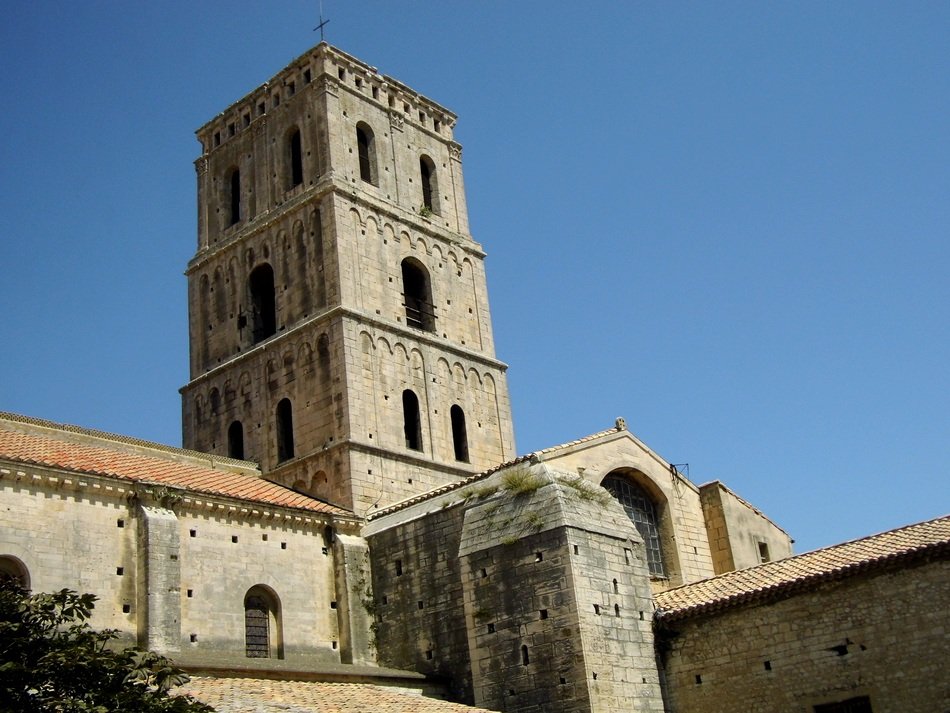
point(323, 23)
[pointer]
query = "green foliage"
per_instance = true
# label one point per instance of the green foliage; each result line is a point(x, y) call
point(585, 490)
point(51, 660)
point(521, 481)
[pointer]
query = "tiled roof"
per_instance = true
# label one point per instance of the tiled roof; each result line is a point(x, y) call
point(97, 458)
point(773, 580)
point(255, 695)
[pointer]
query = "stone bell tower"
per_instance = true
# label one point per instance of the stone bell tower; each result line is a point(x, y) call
point(339, 324)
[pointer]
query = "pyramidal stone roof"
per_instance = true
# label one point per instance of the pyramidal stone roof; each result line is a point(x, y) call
point(68, 448)
point(775, 580)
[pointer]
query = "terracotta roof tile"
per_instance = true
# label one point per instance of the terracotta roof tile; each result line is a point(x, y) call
point(96, 458)
point(253, 695)
point(775, 579)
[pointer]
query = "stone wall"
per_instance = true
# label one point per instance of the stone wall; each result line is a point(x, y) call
point(882, 635)
point(740, 536)
point(527, 589)
point(171, 569)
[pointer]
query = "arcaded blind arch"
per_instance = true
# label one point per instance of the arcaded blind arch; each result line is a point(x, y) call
point(641, 509)
point(412, 421)
point(263, 635)
point(234, 196)
point(459, 433)
point(417, 295)
point(366, 151)
point(296, 157)
point(285, 431)
point(236, 440)
point(430, 186)
point(263, 304)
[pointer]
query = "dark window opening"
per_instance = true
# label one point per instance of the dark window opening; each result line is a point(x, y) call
point(459, 434)
point(236, 440)
point(16, 570)
point(430, 192)
point(764, 555)
point(365, 145)
point(263, 305)
point(860, 704)
point(234, 196)
point(524, 656)
point(417, 296)
point(296, 159)
point(285, 431)
point(412, 423)
point(641, 510)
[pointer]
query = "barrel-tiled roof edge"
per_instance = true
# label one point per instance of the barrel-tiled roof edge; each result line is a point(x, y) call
point(54, 447)
point(782, 578)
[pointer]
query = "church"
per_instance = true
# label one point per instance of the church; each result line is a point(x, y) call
point(349, 505)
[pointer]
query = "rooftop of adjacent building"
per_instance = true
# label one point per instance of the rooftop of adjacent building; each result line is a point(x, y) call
point(776, 580)
point(76, 450)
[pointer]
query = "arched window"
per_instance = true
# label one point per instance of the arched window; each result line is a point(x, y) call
point(430, 187)
point(285, 431)
point(296, 158)
point(417, 295)
point(12, 567)
point(412, 423)
point(262, 303)
point(366, 148)
point(236, 440)
point(234, 196)
point(641, 510)
point(459, 434)
point(262, 624)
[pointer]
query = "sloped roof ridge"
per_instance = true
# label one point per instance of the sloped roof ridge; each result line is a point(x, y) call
point(119, 438)
point(770, 580)
point(533, 457)
point(44, 450)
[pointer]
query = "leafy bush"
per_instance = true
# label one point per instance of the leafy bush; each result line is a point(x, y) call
point(51, 660)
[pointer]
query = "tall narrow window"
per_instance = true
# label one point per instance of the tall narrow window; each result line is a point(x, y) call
point(234, 196)
point(296, 158)
point(236, 440)
point(417, 295)
point(285, 431)
point(412, 423)
point(430, 188)
point(459, 434)
point(366, 148)
point(641, 510)
point(262, 303)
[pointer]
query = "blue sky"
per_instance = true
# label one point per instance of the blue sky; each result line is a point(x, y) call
point(726, 222)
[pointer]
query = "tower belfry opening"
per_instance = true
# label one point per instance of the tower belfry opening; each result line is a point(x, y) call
point(348, 302)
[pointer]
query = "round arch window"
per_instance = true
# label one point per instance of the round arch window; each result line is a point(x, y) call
point(642, 511)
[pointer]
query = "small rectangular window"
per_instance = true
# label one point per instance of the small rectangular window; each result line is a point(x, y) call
point(276, 100)
point(358, 82)
point(306, 76)
point(261, 109)
point(231, 129)
point(120, 523)
point(764, 552)
point(375, 92)
point(217, 138)
point(292, 88)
